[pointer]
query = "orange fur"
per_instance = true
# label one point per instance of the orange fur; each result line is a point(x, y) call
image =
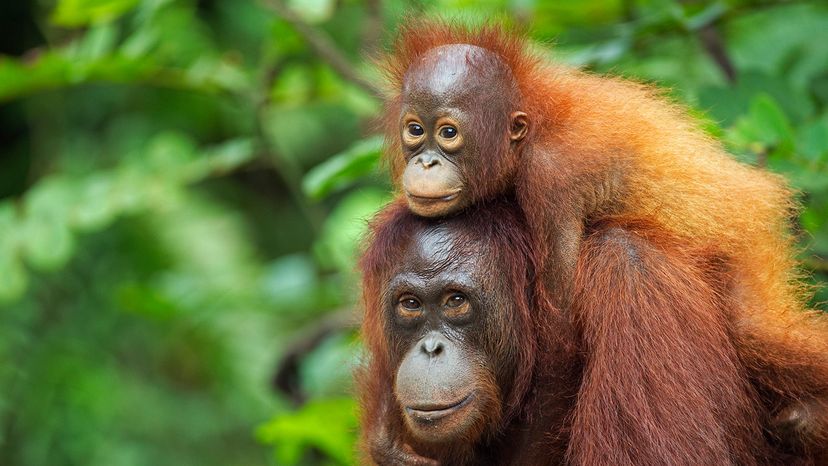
point(668, 171)
point(663, 383)
point(600, 148)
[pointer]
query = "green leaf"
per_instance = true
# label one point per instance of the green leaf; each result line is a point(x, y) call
point(77, 13)
point(345, 227)
point(765, 128)
point(302, 134)
point(727, 103)
point(328, 369)
point(89, 62)
point(329, 425)
point(313, 11)
point(708, 15)
point(812, 140)
point(48, 243)
point(786, 39)
point(229, 156)
point(770, 121)
point(168, 153)
point(293, 86)
point(13, 278)
point(58, 206)
point(290, 282)
point(94, 208)
point(343, 169)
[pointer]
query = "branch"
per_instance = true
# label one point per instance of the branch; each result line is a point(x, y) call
point(372, 29)
point(286, 378)
point(324, 47)
point(712, 42)
point(704, 27)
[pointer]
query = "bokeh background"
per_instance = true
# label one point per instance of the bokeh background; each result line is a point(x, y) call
point(183, 186)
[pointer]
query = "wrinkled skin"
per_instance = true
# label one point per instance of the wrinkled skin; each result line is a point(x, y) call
point(437, 305)
point(455, 325)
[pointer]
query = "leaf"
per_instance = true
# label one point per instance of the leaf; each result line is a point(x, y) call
point(812, 140)
point(343, 169)
point(95, 209)
point(13, 277)
point(301, 134)
point(76, 65)
point(48, 243)
point(727, 103)
point(328, 424)
point(290, 282)
point(77, 13)
point(346, 225)
point(293, 86)
point(768, 39)
point(168, 154)
point(313, 11)
point(328, 369)
point(770, 121)
point(229, 156)
point(764, 128)
point(58, 206)
point(708, 15)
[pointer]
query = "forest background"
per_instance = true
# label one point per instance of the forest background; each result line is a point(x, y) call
point(183, 187)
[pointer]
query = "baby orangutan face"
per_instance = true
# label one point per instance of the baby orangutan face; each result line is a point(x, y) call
point(455, 118)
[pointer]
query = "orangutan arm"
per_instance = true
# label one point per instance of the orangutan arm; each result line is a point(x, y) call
point(662, 382)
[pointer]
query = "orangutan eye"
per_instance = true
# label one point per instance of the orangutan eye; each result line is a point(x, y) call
point(456, 300)
point(448, 132)
point(410, 303)
point(409, 308)
point(415, 130)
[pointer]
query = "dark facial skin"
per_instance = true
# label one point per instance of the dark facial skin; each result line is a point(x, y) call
point(801, 426)
point(456, 112)
point(444, 384)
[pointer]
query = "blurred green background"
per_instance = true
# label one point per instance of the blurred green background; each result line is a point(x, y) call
point(183, 185)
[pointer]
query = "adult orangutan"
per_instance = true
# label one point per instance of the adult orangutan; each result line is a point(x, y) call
point(475, 117)
point(469, 363)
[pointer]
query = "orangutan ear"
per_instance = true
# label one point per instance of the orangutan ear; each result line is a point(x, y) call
point(518, 126)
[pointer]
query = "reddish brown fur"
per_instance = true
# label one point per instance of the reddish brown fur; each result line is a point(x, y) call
point(391, 231)
point(692, 320)
point(663, 383)
point(662, 379)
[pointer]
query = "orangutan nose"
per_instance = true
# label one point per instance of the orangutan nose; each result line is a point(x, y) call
point(432, 345)
point(429, 159)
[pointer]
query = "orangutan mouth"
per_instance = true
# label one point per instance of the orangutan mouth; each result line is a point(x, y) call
point(431, 411)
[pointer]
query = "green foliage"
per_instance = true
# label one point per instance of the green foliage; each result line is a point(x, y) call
point(343, 169)
point(185, 186)
point(41, 231)
point(84, 12)
point(294, 432)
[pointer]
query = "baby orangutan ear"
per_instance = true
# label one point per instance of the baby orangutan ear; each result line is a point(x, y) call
point(518, 126)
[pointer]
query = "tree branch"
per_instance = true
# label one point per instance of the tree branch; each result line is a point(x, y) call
point(713, 44)
point(286, 377)
point(324, 47)
point(372, 29)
